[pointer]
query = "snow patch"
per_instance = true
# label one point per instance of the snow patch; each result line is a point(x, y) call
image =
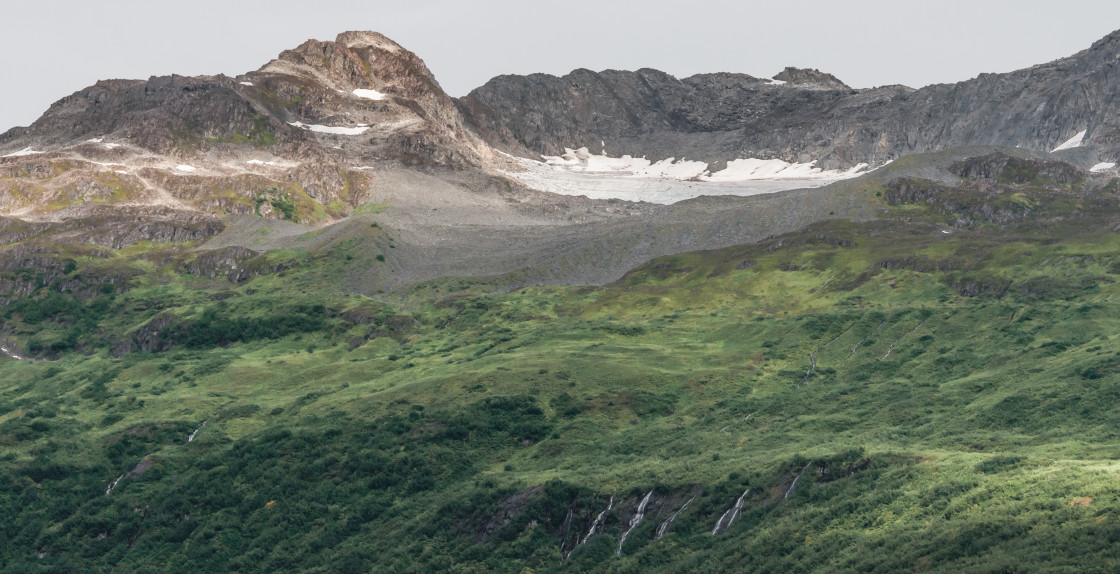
point(186, 168)
point(1102, 167)
point(579, 172)
point(583, 161)
point(22, 152)
point(774, 82)
point(355, 131)
point(123, 169)
point(671, 169)
point(246, 83)
point(755, 169)
point(101, 141)
point(1072, 142)
point(369, 94)
point(259, 162)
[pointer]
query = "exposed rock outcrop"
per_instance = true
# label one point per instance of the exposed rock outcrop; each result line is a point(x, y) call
point(813, 116)
point(146, 338)
point(300, 131)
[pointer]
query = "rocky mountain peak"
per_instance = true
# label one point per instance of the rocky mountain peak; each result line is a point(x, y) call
point(310, 125)
point(360, 60)
point(1110, 41)
point(810, 79)
point(367, 39)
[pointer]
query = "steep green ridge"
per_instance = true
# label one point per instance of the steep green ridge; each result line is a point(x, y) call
point(935, 391)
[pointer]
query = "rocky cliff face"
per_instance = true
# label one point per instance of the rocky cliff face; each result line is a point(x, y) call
point(805, 115)
point(306, 129)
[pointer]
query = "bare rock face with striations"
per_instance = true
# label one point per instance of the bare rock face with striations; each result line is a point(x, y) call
point(308, 129)
point(805, 115)
point(408, 115)
point(810, 79)
point(709, 117)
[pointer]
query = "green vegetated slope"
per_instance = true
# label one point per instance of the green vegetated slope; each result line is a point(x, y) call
point(894, 395)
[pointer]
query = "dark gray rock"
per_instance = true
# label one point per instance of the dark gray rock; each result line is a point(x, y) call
point(811, 79)
point(228, 262)
point(1004, 168)
point(146, 338)
point(719, 117)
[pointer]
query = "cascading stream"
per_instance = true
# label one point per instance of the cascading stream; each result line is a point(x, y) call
point(856, 348)
point(637, 519)
point(901, 338)
point(597, 525)
point(728, 517)
point(113, 485)
point(792, 486)
point(813, 357)
point(11, 354)
point(812, 367)
point(664, 526)
point(195, 433)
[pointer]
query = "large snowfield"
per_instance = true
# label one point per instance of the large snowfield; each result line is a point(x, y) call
point(598, 176)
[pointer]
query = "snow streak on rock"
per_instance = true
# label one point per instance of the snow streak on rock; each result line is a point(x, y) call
point(338, 131)
point(1073, 142)
point(369, 94)
point(22, 152)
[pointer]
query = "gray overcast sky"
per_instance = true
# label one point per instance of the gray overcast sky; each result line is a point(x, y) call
point(52, 48)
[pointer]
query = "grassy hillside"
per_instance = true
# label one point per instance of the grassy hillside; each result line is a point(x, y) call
point(921, 393)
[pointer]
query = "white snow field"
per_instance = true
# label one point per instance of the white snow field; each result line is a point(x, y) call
point(369, 94)
point(578, 172)
point(355, 131)
point(1073, 142)
point(22, 152)
point(1103, 166)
